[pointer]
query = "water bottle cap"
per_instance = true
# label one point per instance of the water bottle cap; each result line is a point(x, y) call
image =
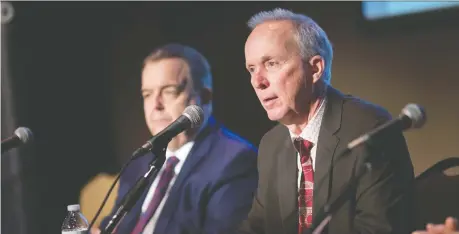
point(75, 207)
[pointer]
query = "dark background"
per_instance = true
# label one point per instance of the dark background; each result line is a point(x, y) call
point(71, 73)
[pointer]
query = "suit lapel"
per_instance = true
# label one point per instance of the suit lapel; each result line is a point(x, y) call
point(287, 183)
point(201, 148)
point(288, 168)
point(326, 147)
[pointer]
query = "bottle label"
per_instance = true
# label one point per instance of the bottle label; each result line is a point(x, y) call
point(75, 232)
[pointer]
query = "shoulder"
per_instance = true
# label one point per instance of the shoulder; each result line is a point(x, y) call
point(349, 116)
point(235, 142)
point(277, 134)
point(229, 155)
point(275, 138)
point(363, 110)
point(359, 116)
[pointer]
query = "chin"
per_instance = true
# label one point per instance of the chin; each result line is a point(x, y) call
point(156, 130)
point(276, 114)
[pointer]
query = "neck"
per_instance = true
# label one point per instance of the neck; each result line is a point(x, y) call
point(298, 126)
point(302, 120)
point(185, 137)
point(180, 140)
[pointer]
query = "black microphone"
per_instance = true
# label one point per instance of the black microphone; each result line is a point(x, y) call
point(22, 135)
point(191, 117)
point(412, 116)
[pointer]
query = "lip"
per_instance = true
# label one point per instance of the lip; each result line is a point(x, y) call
point(161, 120)
point(269, 101)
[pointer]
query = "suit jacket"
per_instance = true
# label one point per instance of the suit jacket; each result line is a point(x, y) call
point(213, 192)
point(381, 201)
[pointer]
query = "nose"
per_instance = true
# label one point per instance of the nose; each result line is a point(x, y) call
point(258, 80)
point(157, 102)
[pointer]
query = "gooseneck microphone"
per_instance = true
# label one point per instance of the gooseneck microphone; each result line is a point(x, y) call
point(412, 116)
point(22, 135)
point(192, 117)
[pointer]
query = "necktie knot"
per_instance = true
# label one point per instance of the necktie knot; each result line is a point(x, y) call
point(171, 162)
point(303, 146)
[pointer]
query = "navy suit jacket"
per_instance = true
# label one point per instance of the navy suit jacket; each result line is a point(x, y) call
point(213, 192)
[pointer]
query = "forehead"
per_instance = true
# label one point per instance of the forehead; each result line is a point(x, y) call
point(168, 71)
point(269, 37)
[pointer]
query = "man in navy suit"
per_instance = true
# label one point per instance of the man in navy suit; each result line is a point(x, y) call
point(208, 180)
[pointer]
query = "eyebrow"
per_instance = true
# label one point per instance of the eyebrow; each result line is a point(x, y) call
point(264, 58)
point(180, 86)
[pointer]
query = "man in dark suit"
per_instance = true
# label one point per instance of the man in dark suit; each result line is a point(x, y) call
point(209, 177)
point(300, 168)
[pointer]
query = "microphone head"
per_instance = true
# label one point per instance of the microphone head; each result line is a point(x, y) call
point(24, 134)
point(416, 113)
point(195, 114)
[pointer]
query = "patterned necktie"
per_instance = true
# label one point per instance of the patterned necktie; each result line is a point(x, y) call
point(305, 191)
point(161, 188)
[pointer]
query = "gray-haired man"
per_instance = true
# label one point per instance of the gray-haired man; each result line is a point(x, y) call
point(289, 59)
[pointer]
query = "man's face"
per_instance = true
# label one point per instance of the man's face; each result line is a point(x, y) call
point(280, 78)
point(167, 90)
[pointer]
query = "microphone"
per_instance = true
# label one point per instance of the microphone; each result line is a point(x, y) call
point(22, 135)
point(191, 117)
point(412, 116)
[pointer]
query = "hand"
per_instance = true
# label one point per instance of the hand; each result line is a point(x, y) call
point(450, 227)
point(95, 230)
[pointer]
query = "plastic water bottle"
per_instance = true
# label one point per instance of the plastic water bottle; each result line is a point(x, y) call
point(75, 222)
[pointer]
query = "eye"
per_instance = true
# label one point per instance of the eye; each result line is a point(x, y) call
point(251, 69)
point(271, 63)
point(145, 95)
point(170, 92)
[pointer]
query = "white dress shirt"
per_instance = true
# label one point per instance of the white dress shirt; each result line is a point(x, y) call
point(181, 154)
point(311, 133)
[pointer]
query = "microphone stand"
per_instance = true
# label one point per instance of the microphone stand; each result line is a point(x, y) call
point(130, 199)
point(324, 215)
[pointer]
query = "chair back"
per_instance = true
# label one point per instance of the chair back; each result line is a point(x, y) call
point(437, 193)
point(92, 195)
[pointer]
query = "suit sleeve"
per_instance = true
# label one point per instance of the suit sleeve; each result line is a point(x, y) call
point(254, 224)
point(232, 196)
point(384, 196)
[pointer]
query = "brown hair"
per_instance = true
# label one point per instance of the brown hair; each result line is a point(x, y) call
point(200, 68)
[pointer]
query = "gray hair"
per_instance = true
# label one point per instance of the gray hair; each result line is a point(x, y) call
point(311, 38)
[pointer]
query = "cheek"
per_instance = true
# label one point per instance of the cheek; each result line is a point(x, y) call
point(176, 108)
point(295, 81)
point(147, 108)
point(285, 85)
point(252, 82)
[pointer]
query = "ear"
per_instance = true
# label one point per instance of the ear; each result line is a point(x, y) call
point(206, 96)
point(317, 64)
